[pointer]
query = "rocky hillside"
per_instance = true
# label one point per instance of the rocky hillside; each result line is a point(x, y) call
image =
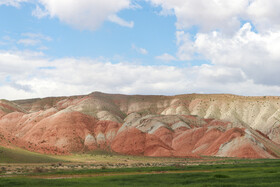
point(183, 125)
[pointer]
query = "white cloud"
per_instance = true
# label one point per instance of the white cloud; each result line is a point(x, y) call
point(33, 39)
point(120, 21)
point(39, 13)
point(166, 57)
point(255, 54)
point(37, 36)
point(139, 50)
point(84, 14)
point(208, 15)
point(265, 14)
point(185, 45)
point(42, 48)
point(33, 75)
point(222, 15)
point(243, 60)
point(15, 3)
point(250, 51)
point(29, 42)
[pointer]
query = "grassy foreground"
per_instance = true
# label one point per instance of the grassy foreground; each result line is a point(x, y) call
point(17, 155)
point(265, 173)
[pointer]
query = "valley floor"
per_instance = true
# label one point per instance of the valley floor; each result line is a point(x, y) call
point(98, 169)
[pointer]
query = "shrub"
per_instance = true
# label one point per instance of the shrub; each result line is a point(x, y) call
point(3, 170)
point(38, 170)
point(220, 176)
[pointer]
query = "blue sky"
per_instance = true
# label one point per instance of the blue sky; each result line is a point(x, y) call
point(110, 40)
point(66, 47)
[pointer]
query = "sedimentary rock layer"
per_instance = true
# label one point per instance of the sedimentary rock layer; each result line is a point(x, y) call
point(183, 125)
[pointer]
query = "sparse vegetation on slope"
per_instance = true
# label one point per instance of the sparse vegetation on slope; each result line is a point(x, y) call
point(22, 156)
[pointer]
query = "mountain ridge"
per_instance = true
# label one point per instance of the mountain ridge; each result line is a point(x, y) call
point(97, 120)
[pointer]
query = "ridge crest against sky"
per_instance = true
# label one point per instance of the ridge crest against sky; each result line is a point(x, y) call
point(69, 47)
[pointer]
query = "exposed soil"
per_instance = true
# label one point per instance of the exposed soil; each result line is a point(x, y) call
point(162, 126)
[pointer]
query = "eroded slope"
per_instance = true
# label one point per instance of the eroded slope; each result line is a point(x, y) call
point(183, 125)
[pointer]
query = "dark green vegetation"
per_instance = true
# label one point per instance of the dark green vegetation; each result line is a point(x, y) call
point(23, 156)
point(265, 173)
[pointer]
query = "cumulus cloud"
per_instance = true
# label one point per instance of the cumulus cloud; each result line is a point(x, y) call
point(186, 49)
point(208, 15)
point(244, 58)
point(84, 14)
point(256, 54)
point(26, 75)
point(249, 51)
point(264, 14)
point(222, 15)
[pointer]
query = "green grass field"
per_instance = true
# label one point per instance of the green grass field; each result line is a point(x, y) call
point(266, 173)
point(22, 156)
point(77, 170)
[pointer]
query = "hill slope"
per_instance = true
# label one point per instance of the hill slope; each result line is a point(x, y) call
point(183, 125)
